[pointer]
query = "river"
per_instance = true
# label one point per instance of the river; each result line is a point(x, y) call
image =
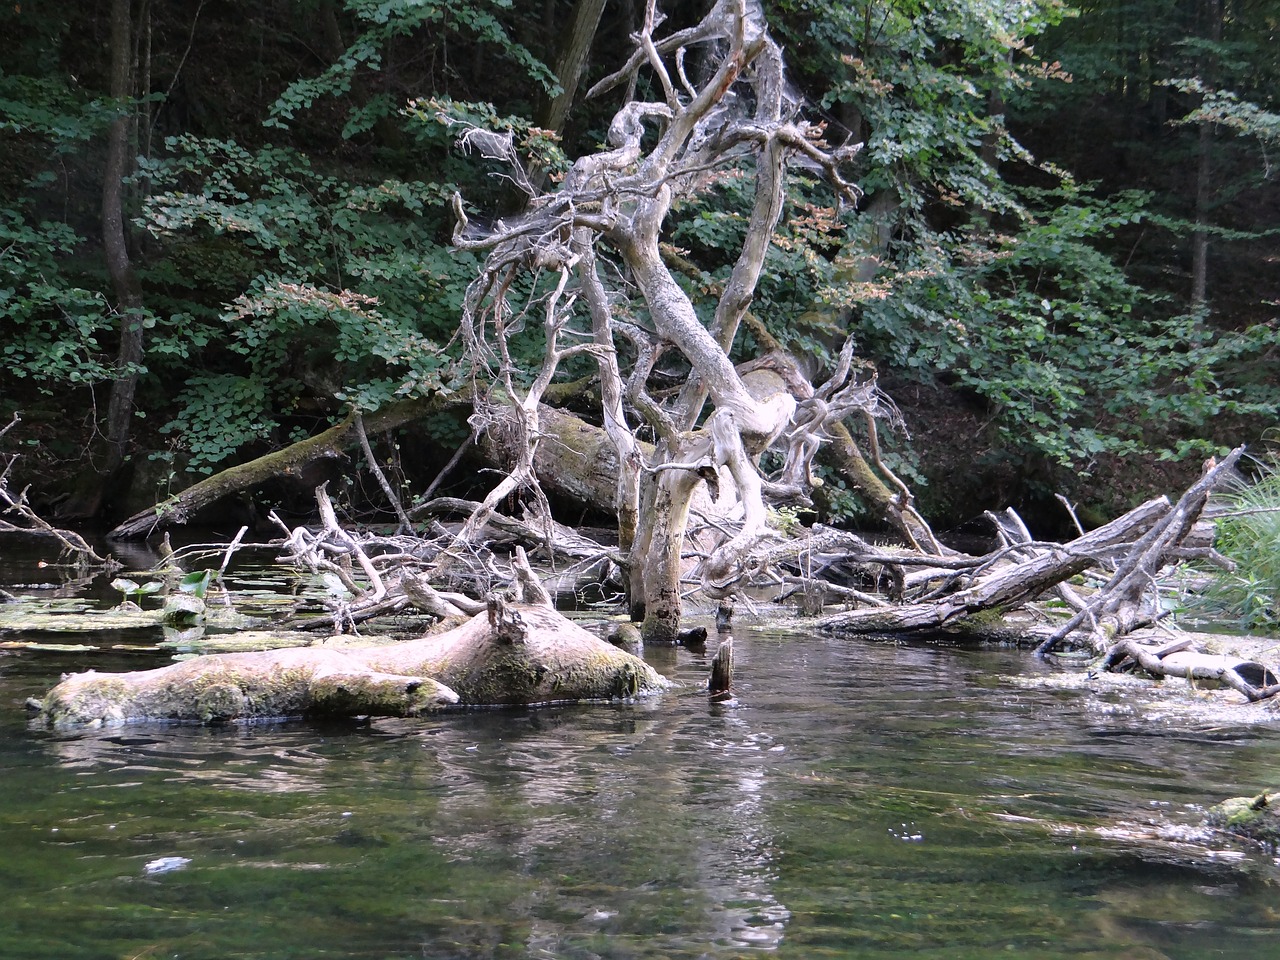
point(856, 800)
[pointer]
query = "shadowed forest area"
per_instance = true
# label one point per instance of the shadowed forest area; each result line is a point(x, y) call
point(227, 227)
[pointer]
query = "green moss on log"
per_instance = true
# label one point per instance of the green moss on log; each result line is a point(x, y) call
point(554, 661)
point(1255, 818)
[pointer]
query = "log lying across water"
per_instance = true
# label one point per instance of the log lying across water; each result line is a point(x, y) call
point(999, 584)
point(516, 654)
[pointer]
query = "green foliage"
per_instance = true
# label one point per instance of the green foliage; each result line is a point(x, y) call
point(1230, 110)
point(51, 109)
point(383, 20)
point(217, 415)
point(1072, 359)
point(351, 293)
point(49, 326)
point(134, 591)
point(1248, 531)
point(1009, 294)
point(50, 318)
point(196, 583)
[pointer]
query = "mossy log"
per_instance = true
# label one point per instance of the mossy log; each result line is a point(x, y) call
point(1254, 818)
point(330, 443)
point(510, 655)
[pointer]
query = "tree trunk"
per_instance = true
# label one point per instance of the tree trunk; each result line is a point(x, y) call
point(572, 62)
point(658, 558)
point(97, 481)
point(123, 279)
point(622, 196)
point(1211, 12)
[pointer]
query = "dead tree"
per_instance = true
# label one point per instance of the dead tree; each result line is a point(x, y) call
point(595, 239)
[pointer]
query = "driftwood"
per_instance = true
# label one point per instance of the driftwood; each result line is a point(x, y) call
point(1000, 581)
point(1131, 552)
point(385, 575)
point(516, 651)
point(1254, 680)
point(1118, 607)
point(512, 654)
point(936, 591)
point(558, 540)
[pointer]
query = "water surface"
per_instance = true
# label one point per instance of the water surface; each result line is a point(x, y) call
point(857, 800)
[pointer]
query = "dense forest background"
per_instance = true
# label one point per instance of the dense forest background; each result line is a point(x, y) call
point(224, 225)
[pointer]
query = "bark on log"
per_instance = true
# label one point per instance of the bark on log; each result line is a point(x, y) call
point(511, 655)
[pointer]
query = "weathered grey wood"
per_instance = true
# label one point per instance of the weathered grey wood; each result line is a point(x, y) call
point(720, 686)
point(1007, 585)
point(1211, 666)
point(1254, 680)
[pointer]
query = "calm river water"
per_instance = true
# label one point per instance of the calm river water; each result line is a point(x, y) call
point(858, 800)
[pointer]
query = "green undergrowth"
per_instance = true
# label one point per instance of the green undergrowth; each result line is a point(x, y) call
point(1248, 534)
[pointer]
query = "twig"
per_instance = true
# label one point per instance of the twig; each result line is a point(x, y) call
point(406, 525)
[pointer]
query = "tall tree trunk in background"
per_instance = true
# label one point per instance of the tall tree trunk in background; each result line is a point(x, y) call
point(571, 62)
point(99, 478)
point(123, 279)
point(1200, 238)
point(1211, 12)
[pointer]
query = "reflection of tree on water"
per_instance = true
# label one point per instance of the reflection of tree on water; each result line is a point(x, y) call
point(641, 824)
point(580, 831)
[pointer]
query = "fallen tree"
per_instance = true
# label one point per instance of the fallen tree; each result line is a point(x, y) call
point(179, 508)
point(511, 654)
point(516, 650)
point(593, 242)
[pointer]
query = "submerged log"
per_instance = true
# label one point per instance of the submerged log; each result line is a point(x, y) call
point(509, 655)
point(1254, 818)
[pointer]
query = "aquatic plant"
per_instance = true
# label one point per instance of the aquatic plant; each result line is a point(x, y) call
point(134, 591)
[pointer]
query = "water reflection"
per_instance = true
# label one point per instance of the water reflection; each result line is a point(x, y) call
point(645, 825)
point(893, 801)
